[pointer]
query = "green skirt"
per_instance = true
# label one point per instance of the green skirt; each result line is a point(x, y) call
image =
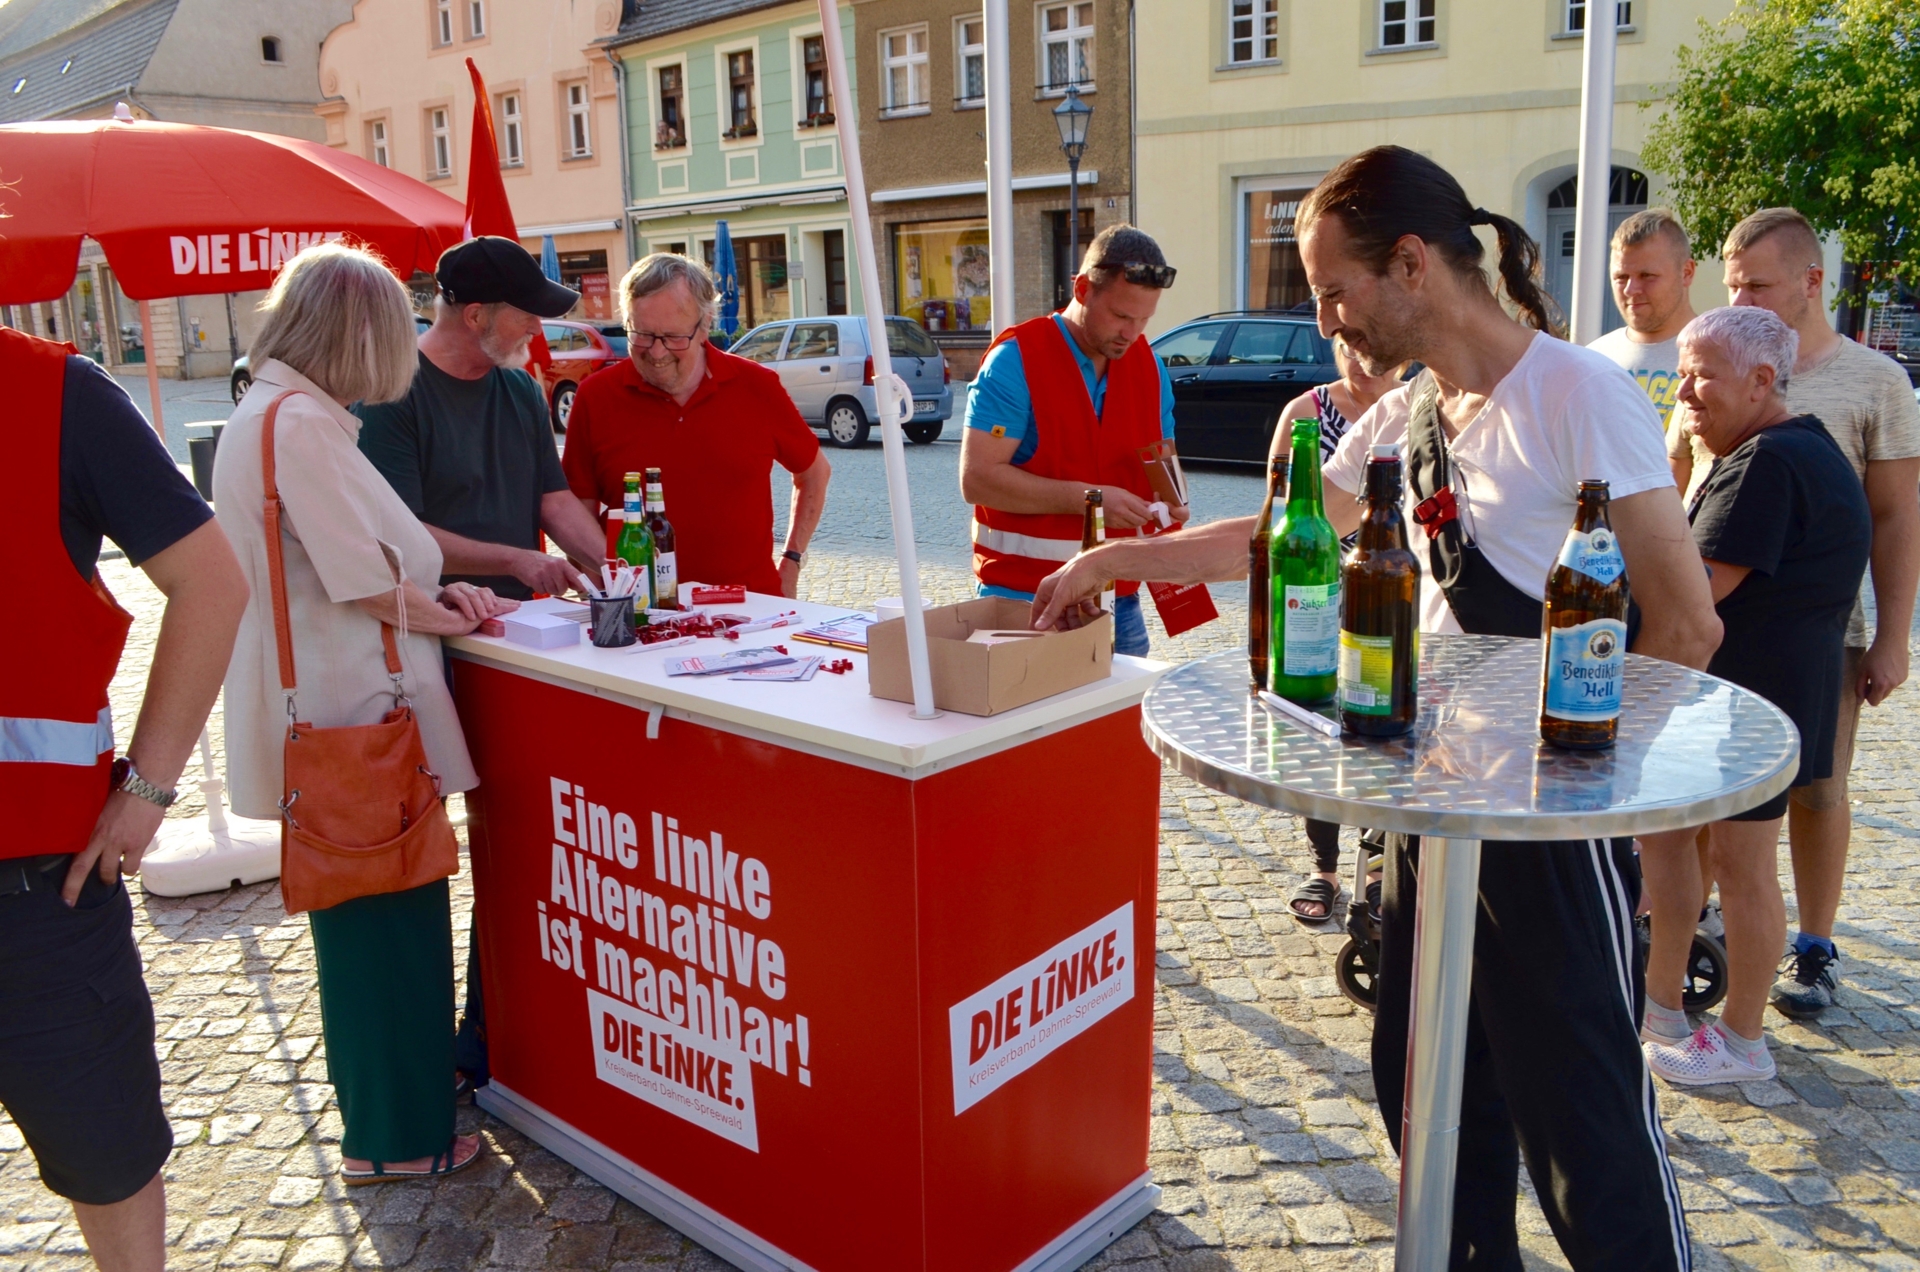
point(386, 1008)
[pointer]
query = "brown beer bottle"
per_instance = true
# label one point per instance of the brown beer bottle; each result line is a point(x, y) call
point(1260, 577)
point(1379, 622)
point(666, 572)
point(1584, 631)
point(1093, 533)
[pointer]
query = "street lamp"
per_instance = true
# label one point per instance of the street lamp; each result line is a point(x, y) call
point(1071, 117)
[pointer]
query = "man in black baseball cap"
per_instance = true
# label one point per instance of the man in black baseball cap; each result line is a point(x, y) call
point(470, 450)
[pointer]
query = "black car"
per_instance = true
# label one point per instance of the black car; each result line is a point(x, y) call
point(1232, 375)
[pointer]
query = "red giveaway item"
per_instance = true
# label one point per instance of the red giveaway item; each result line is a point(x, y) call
point(488, 211)
point(1182, 607)
point(719, 594)
point(490, 627)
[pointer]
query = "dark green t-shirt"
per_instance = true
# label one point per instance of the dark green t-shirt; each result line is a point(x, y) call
point(473, 457)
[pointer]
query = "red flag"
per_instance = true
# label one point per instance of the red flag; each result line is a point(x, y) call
point(488, 211)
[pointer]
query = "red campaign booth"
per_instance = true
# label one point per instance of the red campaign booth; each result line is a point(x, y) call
point(819, 984)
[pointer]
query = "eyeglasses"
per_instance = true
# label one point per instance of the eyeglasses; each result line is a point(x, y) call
point(645, 340)
point(1141, 274)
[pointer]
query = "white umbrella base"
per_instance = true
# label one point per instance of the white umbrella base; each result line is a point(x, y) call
point(187, 856)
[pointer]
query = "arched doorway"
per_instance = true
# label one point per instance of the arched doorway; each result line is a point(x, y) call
point(1626, 194)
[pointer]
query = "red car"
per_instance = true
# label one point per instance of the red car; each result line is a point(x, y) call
point(579, 349)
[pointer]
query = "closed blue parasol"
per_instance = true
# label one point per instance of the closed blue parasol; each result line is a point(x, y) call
point(727, 279)
point(549, 258)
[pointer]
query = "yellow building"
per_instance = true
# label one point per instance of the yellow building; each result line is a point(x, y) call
point(1242, 105)
point(398, 93)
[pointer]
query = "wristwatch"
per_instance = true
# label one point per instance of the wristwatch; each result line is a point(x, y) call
point(127, 778)
point(791, 555)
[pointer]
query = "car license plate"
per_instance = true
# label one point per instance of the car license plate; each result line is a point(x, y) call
point(922, 406)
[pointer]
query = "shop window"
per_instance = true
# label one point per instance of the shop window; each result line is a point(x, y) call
point(513, 147)
point(1407, 22)
point(903, 71)
point(1275, 278)
point(439, 143)
point(443, 22)
point(761, 264)
point(1066, 46)
point(586, 273)
point(671, 130)
point(377, 143)
point(740, 116)
point(819, 105)
point(942, 275)
point(1577, 15)
point(579, 121)
point(1253, 31)
point(970, 61)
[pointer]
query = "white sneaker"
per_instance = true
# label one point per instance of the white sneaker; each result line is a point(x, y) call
point(1704, 1060)
point(1649, 1034)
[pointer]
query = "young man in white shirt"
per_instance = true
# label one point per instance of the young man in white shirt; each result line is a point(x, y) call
point(1653, 266)
point(1553, 1057)
point(1866, 402)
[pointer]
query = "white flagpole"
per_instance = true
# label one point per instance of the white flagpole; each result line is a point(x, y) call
point(999, 89)
point(1590, 247)
point(895, 402)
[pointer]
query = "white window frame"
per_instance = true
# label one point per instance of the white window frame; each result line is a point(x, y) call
point(1414, 15)
point(1622, 16)
point(723, 58)
point(963, 52)
point(1261, 37)
point(442, 23)
point(1069, 35)
point(377, 143)
point(797, 49)
point(440, 141)
point(914, 62)
point(476, 19)
point(655, 104)
point(579, 98)
point(513, 130)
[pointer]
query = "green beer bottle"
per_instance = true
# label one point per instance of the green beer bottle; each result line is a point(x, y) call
point(1305, 567)
point(636, 545)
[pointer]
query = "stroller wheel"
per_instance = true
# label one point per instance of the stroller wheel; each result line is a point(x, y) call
point(1356, 969)
point(1706, 982)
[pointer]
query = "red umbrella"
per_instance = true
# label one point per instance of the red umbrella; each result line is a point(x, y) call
point(185, 210)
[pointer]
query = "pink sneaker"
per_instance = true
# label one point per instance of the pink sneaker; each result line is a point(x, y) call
point(1705, 1060)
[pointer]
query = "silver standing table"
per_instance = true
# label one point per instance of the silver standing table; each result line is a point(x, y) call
point(1691, 749)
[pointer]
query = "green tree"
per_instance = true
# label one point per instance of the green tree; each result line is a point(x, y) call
point(1813, 104)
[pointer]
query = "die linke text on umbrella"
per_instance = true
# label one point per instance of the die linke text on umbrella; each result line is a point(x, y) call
point(250, 252)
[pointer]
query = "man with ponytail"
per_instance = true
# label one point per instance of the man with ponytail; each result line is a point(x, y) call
point(1510, 420)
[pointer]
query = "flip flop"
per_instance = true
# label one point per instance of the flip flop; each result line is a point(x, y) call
point(442, 1164)
point(1314, 890)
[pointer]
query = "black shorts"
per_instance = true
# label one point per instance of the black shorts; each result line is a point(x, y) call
point(78, 1073)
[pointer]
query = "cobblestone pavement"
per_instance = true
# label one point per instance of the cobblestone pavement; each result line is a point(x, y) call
point(1265, 1137)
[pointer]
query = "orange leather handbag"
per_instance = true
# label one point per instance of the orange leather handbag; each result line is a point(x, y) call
point(361, 814)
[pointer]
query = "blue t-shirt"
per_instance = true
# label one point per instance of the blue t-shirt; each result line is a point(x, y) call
point(999, 403)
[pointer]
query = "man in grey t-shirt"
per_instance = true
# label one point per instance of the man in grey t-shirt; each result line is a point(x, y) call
point(1864, 399)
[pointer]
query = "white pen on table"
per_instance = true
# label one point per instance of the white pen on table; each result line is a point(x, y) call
point(1299, 714)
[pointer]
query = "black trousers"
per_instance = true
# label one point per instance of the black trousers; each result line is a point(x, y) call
point(1325, 839)
point(1554, 1070)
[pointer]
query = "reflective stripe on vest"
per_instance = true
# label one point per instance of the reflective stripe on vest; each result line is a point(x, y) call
point(1025, 545)
point(28, 741)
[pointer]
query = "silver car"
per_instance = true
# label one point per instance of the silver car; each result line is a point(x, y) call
point(825, 366)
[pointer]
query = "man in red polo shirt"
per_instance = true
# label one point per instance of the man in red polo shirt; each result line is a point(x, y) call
point(713, 424)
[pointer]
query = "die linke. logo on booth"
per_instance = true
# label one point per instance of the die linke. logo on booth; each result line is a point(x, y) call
point(1022, 1018)
point(260, 251)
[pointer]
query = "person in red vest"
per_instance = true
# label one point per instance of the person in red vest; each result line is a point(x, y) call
point(78, 1073)
point(1062, 404)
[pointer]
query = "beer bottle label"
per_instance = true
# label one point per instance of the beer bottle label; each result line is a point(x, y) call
point(1584, 665)
point(1310, 629)
point(666, 577)
point(1366, 673)
point(1596, 555)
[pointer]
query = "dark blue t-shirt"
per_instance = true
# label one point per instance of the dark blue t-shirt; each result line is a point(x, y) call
point(116, 479)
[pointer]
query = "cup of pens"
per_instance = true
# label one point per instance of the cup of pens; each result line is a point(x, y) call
point(610, 620)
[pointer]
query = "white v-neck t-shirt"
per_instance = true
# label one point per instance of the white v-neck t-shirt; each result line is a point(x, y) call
point(1563, 415)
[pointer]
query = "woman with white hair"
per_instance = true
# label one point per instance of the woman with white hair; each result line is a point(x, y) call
point(1784, 528)
point(339, 329)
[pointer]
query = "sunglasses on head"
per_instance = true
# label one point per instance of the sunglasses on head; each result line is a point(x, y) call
point(1141, 274)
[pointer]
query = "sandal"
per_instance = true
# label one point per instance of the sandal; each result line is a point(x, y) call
point(442, 1164)
point(1314, 891)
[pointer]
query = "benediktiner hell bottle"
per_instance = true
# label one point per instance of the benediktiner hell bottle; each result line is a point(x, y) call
point(636, 545)
point(1584, 630)
point(666, 573)
point(1259, 577)
point(1379, 631)
point(1305, 564)
point(1093, 533)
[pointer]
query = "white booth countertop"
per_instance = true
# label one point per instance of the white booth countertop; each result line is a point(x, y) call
point(829, 715)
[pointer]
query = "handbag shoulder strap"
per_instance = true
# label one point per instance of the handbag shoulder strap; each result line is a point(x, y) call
point(274, 510)
point(1427, 470)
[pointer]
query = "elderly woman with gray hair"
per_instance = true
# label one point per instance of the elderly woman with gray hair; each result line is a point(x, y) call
point(338, 329)
point(1784, 528)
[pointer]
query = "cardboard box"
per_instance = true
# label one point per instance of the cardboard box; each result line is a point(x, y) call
point(984, 680)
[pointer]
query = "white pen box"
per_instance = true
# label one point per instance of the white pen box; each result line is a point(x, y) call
point(541, 631)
